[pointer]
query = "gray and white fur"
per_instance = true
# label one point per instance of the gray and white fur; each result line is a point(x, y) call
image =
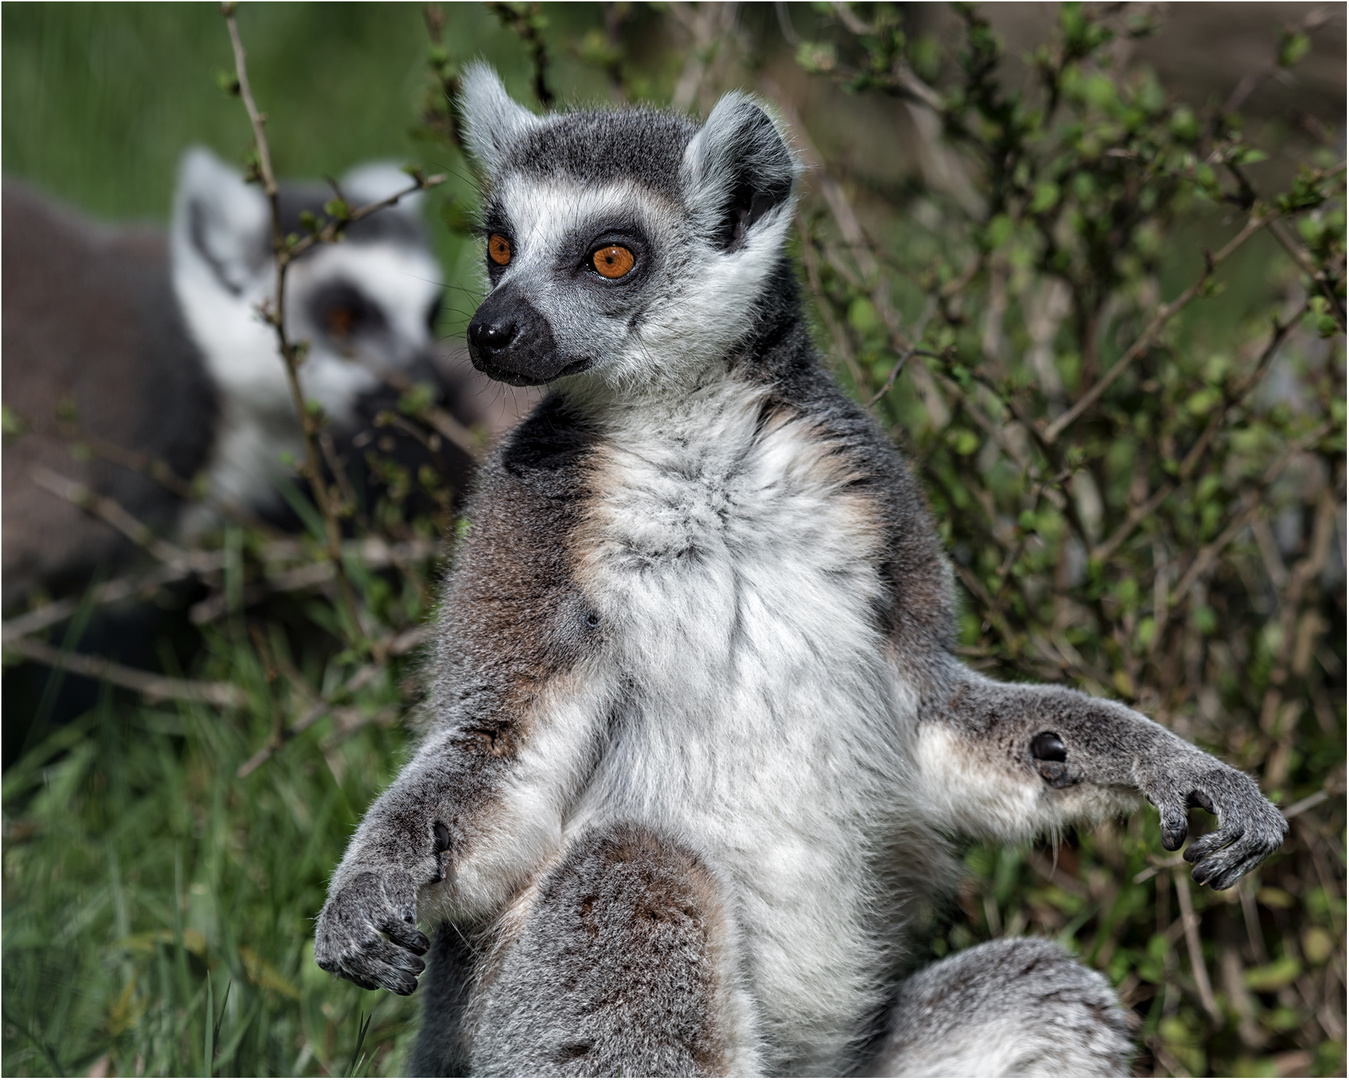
point(701, 753)
point(153, 344)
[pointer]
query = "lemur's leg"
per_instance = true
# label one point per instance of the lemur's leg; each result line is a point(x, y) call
point(1011, 761)
point(1015, 1007)
point(620, 961)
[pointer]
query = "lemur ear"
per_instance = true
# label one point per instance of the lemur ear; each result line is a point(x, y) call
point(220, 222)
point(377, 180)
point(737, 170)
point(493, 120)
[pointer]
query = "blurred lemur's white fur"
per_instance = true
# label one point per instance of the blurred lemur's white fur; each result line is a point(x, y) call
point(222, 271)
point(700, 745)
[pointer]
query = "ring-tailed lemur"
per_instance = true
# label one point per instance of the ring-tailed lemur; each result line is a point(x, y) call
point(700, 745)
point(154, 345)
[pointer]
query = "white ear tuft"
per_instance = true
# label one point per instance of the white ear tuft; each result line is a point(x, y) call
point(219, 221)
point(737, 170)
point(492, 118)
point(377, 180)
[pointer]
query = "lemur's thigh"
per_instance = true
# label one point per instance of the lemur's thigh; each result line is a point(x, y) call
point(620, 966)
point(1016, 1007)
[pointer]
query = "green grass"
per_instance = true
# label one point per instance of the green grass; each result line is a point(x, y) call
point(156, 907)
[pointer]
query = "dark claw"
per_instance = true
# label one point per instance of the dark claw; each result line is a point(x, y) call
point(1174, 830)
point(442, 837)
point(1232, 875)
point(1215, 842)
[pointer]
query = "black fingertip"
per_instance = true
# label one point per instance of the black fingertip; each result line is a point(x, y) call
point(1173, 836)
point(420, 944)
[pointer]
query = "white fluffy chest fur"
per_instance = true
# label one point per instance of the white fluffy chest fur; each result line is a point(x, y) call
point(760, 720)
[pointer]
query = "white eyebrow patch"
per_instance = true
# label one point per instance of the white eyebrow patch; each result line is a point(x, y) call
point(545, 213)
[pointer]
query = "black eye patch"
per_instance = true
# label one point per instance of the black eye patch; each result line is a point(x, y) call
point(576, 255)
point(343, 312)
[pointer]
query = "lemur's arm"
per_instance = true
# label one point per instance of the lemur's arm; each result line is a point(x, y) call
point(477, 809)
point(521, 710)
point(1011, 761)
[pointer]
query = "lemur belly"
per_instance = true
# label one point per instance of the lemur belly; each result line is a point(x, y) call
point(735, 572)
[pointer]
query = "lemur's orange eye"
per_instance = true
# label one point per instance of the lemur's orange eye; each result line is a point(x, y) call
point(499, 249)
point(613, 262)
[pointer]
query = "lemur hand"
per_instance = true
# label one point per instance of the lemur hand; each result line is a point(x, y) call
point(348, 941)
point(1250, 827)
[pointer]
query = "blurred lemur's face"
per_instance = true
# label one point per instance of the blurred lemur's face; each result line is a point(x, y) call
point(629, 245)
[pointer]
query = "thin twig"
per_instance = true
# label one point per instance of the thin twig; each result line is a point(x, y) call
point(110, 592)
point(1237, 394)
point(1191, 924)
point(444, 423)
point(154, 687)
point(523, 19)
point(333, 229)
point(114, 514)
point(291, 353)
point(397, 645)
point(907, 354)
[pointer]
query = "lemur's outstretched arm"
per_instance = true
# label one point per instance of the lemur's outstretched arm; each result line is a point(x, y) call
point(1010, 761)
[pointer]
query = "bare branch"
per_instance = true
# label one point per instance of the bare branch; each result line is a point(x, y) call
point(152, 686)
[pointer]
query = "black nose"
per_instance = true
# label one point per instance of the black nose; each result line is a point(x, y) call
point(489, 336)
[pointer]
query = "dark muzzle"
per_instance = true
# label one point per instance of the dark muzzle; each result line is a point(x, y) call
point(508, 340)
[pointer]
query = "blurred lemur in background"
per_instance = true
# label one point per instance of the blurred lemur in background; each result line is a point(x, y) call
point(153, 345)
point(701, 753)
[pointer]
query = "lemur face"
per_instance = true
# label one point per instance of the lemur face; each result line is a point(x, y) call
point(628, 245)
point(366, 306)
